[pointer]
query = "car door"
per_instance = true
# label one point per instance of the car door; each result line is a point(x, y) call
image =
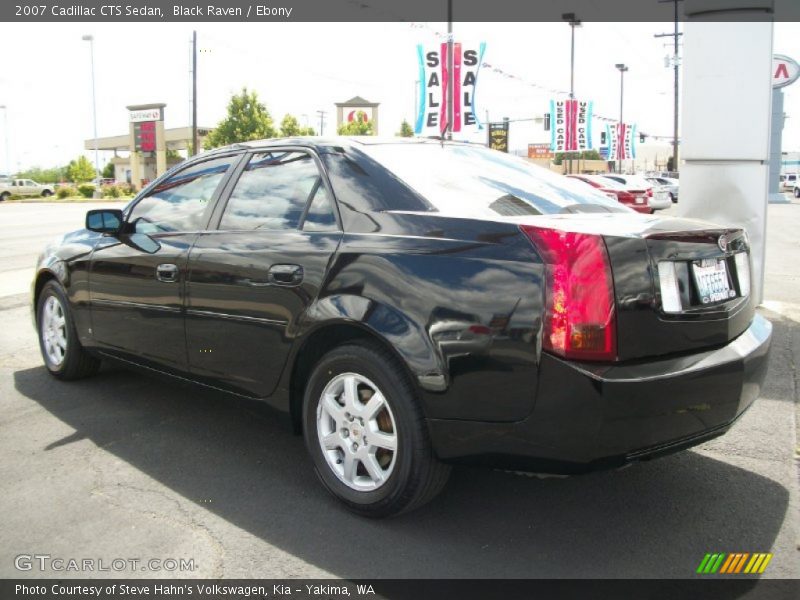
point(137, 278)
point(252, 277)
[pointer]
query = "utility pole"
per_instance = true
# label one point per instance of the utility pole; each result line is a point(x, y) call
point(573, 23)
point(194, 93)
point(321, 114)
point(449, 69)
point(675, 35)
point(620, 150)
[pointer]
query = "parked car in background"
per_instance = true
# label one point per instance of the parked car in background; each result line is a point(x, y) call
point(24, 187)
point(657, 196)
point(788, 182)
point(637, 202)
point(671, 185)
point(413, 304)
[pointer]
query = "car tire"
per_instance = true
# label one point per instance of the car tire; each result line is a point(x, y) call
point(46, 194)
point(63, 354)
point(672, 197)
point(350, 435)
point(797, 192)
point(4, 196)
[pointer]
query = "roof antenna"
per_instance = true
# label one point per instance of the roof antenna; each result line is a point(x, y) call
point(444, 132)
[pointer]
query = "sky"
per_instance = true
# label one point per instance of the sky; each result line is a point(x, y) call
point(301, 68)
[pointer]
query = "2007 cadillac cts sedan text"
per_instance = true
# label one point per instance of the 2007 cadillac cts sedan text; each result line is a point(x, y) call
point(415, 304)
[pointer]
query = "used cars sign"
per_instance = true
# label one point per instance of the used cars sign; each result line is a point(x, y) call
point(785, 71)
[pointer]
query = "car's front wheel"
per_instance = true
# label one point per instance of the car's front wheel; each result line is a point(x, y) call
point(46, 194)
point(797, 192)
point(63, 354)
point(4, 196)
point(366, 433)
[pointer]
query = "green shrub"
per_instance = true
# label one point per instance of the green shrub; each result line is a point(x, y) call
point(65, 192)
point(86, 190)
point(111, 190)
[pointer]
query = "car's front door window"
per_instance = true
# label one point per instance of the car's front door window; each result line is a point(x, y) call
point(179, 203)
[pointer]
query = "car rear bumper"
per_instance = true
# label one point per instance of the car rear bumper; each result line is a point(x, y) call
point(589, 416)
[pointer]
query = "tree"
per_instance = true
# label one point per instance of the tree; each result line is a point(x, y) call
point(248, 119)
point(290, 127)
point(49, 175)
point(585, 155)
point(80, 170)
point(360, 125)
point(108, 171)
point(405, 130)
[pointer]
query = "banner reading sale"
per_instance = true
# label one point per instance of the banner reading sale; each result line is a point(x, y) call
point(432, 112)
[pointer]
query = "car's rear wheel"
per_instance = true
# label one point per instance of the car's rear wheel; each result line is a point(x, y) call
point(63, 354)
point(797, 192)
point(366, 433)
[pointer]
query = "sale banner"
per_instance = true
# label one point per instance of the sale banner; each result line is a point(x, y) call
point(432, 111)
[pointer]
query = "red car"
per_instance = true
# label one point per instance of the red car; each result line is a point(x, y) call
point(636, 201)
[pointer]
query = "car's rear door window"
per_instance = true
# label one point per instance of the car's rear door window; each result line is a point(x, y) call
point(274, 191)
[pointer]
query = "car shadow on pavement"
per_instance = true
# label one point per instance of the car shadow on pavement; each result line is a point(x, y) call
point(234, 458)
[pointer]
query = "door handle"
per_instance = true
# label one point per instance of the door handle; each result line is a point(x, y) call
point(167, 272)
point(285, 274)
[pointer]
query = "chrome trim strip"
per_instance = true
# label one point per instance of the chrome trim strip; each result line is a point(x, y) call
point(219, 315)
point(126, 304)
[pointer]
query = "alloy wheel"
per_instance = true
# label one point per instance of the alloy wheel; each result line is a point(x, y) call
point(357, 432)
point(54, 331)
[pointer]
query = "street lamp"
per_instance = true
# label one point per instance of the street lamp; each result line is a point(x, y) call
point(622, 68)
point(573, 23)
point(5, 133)
point(90, 39)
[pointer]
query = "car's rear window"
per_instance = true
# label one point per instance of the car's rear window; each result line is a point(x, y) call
point(478, 182)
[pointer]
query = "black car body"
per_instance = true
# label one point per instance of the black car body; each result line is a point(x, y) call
point(473, 303)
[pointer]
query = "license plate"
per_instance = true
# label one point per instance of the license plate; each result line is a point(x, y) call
point(711, 277)
point(639, 199)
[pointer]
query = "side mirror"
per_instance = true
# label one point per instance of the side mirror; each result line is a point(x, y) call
point(104, 220)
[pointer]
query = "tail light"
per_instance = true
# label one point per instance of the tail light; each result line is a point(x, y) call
point(649, 192)
point(579, 318)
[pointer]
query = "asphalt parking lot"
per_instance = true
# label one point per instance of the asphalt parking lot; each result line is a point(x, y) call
point(129, 466)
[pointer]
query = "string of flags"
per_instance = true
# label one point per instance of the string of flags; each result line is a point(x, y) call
point(489, 67)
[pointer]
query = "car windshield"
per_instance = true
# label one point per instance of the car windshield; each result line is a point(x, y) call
point(470, 181)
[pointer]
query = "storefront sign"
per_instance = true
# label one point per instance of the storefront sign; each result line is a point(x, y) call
point(785, 71)
point(540, 151)
point(148, 114)
point(498, 136)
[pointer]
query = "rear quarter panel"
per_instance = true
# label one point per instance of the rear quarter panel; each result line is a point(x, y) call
point(460, 302)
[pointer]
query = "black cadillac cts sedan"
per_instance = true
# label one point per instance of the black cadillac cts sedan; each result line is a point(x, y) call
point(413, 304)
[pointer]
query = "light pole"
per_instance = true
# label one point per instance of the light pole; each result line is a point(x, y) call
point(90, 39)
point(573, 23)
point(5, 133)
point(622, 68)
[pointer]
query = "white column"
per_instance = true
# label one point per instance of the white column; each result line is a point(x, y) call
point(725, 127)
